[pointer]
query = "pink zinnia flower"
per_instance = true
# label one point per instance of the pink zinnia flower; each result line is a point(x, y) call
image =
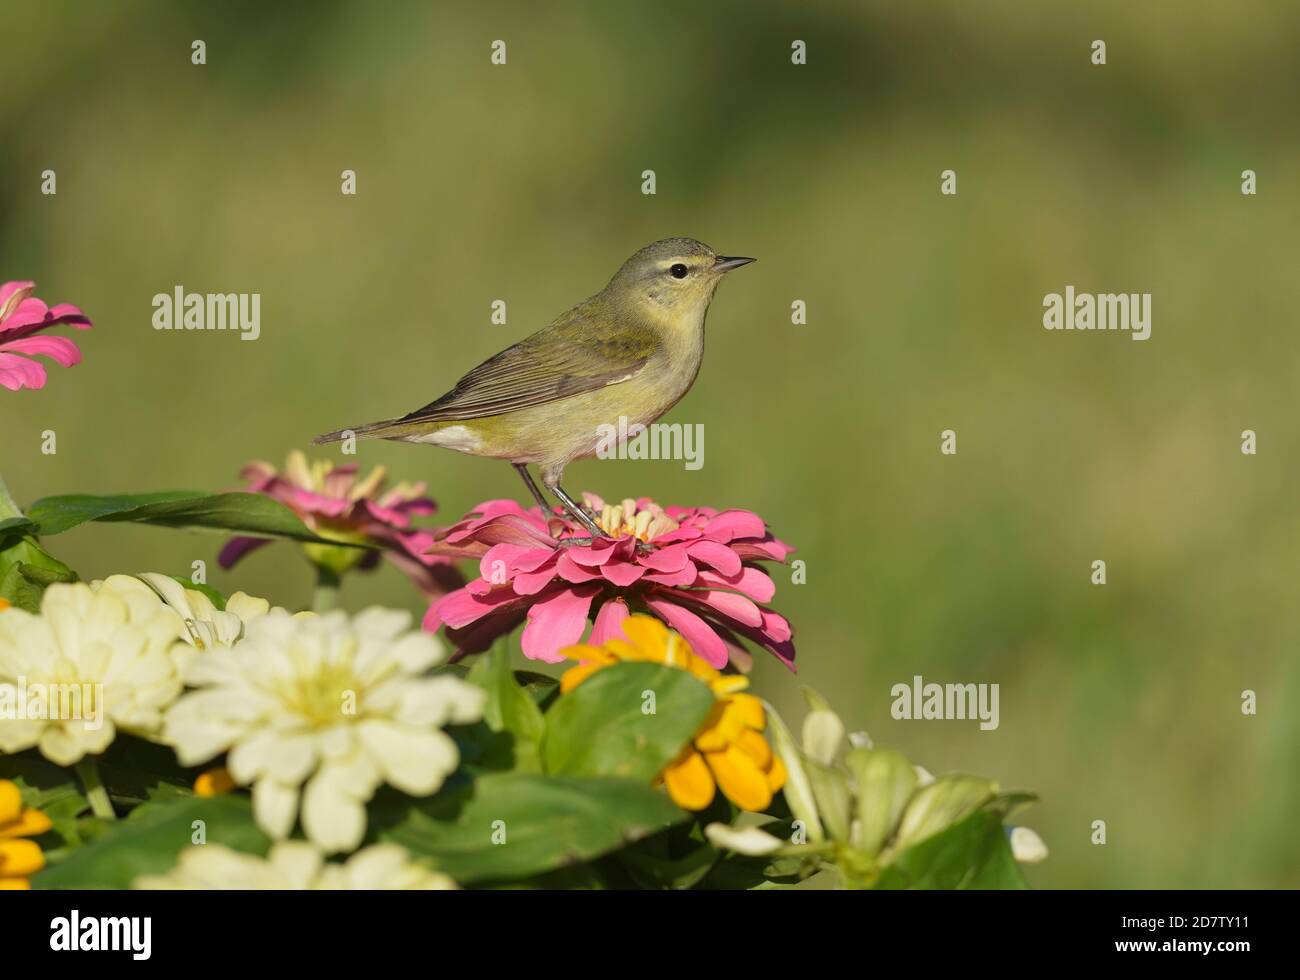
point(694, 568)
point(21, 316)
point(335, 504)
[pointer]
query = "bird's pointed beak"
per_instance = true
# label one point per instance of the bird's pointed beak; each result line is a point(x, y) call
point(725, 263)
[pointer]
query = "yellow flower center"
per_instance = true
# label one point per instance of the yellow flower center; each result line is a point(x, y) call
point(324, 698)
point(626, 520)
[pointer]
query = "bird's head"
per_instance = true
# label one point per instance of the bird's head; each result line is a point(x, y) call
point(673, 278)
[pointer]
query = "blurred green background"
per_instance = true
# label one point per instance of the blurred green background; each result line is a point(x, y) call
point(1118, 703)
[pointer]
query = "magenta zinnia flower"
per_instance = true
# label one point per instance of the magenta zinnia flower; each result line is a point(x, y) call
point(335, 504)
point(694, 568)
point(21, 316)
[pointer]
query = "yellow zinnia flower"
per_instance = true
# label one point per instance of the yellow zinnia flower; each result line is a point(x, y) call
point(18, 858)
point(728, 752)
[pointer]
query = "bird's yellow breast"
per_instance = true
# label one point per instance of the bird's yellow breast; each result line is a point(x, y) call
point(571, 428)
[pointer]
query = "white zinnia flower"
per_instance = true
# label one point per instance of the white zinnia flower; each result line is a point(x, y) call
point(336, 704)
point(295, 866)
point(93, 661)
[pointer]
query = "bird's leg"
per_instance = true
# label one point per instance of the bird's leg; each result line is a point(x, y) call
point(522, 470)
point(547, 511)
point(577, 513)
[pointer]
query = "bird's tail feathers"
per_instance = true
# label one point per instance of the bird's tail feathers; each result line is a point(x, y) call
point(387, 429)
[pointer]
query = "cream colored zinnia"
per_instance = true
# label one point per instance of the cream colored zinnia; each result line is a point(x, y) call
point(295, 866)
point(95, 660)
point(316, 712)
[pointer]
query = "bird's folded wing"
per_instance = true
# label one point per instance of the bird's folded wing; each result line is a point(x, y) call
point(552, 364)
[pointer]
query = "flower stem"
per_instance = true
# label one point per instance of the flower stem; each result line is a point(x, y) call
point(100, 805)
point(7, 506)
point(326, 593)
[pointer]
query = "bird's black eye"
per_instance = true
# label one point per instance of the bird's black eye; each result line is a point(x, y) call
point(678, 271)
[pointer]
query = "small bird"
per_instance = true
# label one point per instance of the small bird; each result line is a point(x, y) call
point(632, 350)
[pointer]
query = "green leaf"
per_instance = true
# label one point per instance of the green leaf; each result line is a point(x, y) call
point(542, 688)
point(656, 871)
point(973, 853)
point(506, 826)
point(149, 841)
point(43, 785)
point(18, 590)
point(11, 525)
point(247, 513)
point(600, 728)
point(509, 708)
point(52, 790)
point(54, 515)
point(46, 575)
point(26, 569)
point(679, 857)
